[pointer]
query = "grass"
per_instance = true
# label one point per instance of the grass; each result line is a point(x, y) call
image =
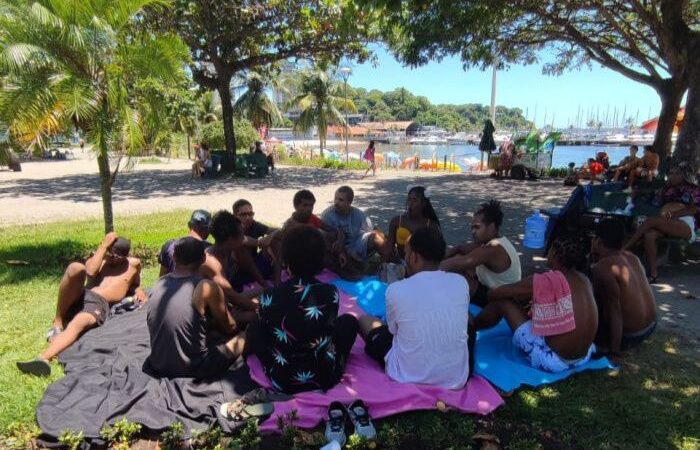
point(150, 160)
point(653, 403)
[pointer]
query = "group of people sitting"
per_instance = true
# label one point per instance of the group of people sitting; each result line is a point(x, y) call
point(630, 169)
point(203, 313)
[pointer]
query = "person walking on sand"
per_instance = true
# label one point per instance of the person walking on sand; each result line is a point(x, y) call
point(369, 157)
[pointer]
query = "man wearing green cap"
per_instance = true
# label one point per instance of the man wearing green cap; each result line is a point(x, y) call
point(85, 295)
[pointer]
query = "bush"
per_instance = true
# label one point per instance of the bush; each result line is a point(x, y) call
point(121, 435)
point(213, 134)
point(323, 163)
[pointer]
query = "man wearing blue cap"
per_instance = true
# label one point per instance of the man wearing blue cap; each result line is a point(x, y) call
point(199, 229)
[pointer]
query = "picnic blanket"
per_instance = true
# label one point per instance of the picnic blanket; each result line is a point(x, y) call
point(508, 368)
point(105, 381)
point(497, 359)
point(366, 380)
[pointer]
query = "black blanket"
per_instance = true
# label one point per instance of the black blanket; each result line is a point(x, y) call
point(106, 381)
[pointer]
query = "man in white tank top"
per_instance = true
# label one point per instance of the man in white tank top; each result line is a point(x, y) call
point(491, 260)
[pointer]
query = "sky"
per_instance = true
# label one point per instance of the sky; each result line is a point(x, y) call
point(525, 87)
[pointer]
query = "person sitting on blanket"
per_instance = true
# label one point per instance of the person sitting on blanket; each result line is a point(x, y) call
point(647, 167)
point(220, 265)
point(626, 304)
point(355, 232)
point(425, 339)
point(419, 214)
point(553, 315)
point(491, 261)
point(627, 164)
point(199, 229)
point(300, 340)
point(184, 310)
point(255, 266)
point(111, 275)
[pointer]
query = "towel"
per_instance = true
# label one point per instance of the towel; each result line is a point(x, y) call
point(552, 309)
point(365, 379)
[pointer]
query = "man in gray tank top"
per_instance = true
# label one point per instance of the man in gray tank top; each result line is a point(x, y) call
point(183, 310)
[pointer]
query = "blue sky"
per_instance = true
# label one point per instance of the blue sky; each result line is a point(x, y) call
point(520, 86)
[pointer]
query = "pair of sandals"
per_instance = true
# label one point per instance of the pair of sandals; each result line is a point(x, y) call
point(338, 416)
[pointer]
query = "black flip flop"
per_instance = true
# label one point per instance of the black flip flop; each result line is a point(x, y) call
point(38, 367)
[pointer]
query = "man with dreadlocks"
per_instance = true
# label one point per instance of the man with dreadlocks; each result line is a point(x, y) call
point(553, 315)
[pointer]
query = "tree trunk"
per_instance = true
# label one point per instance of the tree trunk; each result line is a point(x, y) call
point(106, 190)
point(688, 144)
point(671, 94)
point(189, 146)
point(227, 113)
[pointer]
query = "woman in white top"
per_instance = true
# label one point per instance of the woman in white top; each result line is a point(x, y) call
point(202, 160)
point(491, 261)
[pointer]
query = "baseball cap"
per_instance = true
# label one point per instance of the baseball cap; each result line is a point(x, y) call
point(200, 218)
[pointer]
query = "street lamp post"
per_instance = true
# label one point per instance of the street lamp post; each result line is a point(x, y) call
point(345, 73)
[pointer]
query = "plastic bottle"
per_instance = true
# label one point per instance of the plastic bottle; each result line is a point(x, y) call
point(535, 229)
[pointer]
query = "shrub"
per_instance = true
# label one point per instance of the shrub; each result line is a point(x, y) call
point(121, 435)
point(71, 439)
point(213, 135)
point(248, 438)
point(173, 437)
point(207, 439)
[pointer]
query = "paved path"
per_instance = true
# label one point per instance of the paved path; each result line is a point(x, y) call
point(55, 190)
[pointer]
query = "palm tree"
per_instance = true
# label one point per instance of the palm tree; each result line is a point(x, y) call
point(75, 62)
point(319, 103)
point(256, 105)
point(209, 107)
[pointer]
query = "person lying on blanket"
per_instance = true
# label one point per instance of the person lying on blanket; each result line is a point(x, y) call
point(491, 260)
point(355, 232)
point(255, 259)
point(300, 340)
point(556, 330)
point(191, 330)
point(199, 229)
point(625, 300)
point(220, 265)
point(425, 338)
point(111, 275)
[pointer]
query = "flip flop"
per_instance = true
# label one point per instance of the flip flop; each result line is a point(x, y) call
point(38, 367)
point(239, 411)
point(359, 415)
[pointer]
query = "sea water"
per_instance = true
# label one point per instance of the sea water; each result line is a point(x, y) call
point(465, 155)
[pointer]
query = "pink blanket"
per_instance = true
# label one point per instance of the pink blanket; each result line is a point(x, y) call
point(364, 379)
point(552, 309)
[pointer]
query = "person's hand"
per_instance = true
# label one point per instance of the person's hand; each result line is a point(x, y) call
point(109, 239)
point(667, 215)
point(140, 296)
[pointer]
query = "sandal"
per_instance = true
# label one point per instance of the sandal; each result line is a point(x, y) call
point(52, 333)
point(359, 415)
point(239, 411)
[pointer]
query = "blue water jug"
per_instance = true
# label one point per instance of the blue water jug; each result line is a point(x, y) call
point(535, 229)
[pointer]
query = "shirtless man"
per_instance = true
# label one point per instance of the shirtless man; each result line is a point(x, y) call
point(491, 261)
point(627, 164)
point(558, 352)
point(111, 275)
point(647, 167)
point(625, 300)
point(219, 265)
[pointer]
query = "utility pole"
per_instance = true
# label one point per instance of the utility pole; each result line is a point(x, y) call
point(345, 73)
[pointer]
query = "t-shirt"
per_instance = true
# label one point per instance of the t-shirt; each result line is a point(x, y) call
point(355, 224)
point(596, 168)
point(177, 331)
point(166, 257)
point(313, 221)
point(256, 231)
point(427, 314)
point(297, 319)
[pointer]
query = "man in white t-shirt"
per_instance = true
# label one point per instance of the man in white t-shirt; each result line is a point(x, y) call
point(425, 339)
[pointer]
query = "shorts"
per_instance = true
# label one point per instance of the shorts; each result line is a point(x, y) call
point(480, 296)
point(632, 340)
point(690, 221)
point(208, 163)
point(540, 355)
point(91, 303)
point(378, 343)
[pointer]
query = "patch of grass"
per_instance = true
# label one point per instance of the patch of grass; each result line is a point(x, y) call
point(653, 403)
point(150, 160)
point(323, 163)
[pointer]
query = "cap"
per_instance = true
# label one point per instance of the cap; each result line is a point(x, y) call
point(121, 246)
point(200, 217)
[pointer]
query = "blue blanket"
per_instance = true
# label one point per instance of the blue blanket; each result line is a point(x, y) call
point(497, 359)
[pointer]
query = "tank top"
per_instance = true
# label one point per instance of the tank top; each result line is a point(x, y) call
point(177, 330)
point(403, 233)
point(491, 279)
